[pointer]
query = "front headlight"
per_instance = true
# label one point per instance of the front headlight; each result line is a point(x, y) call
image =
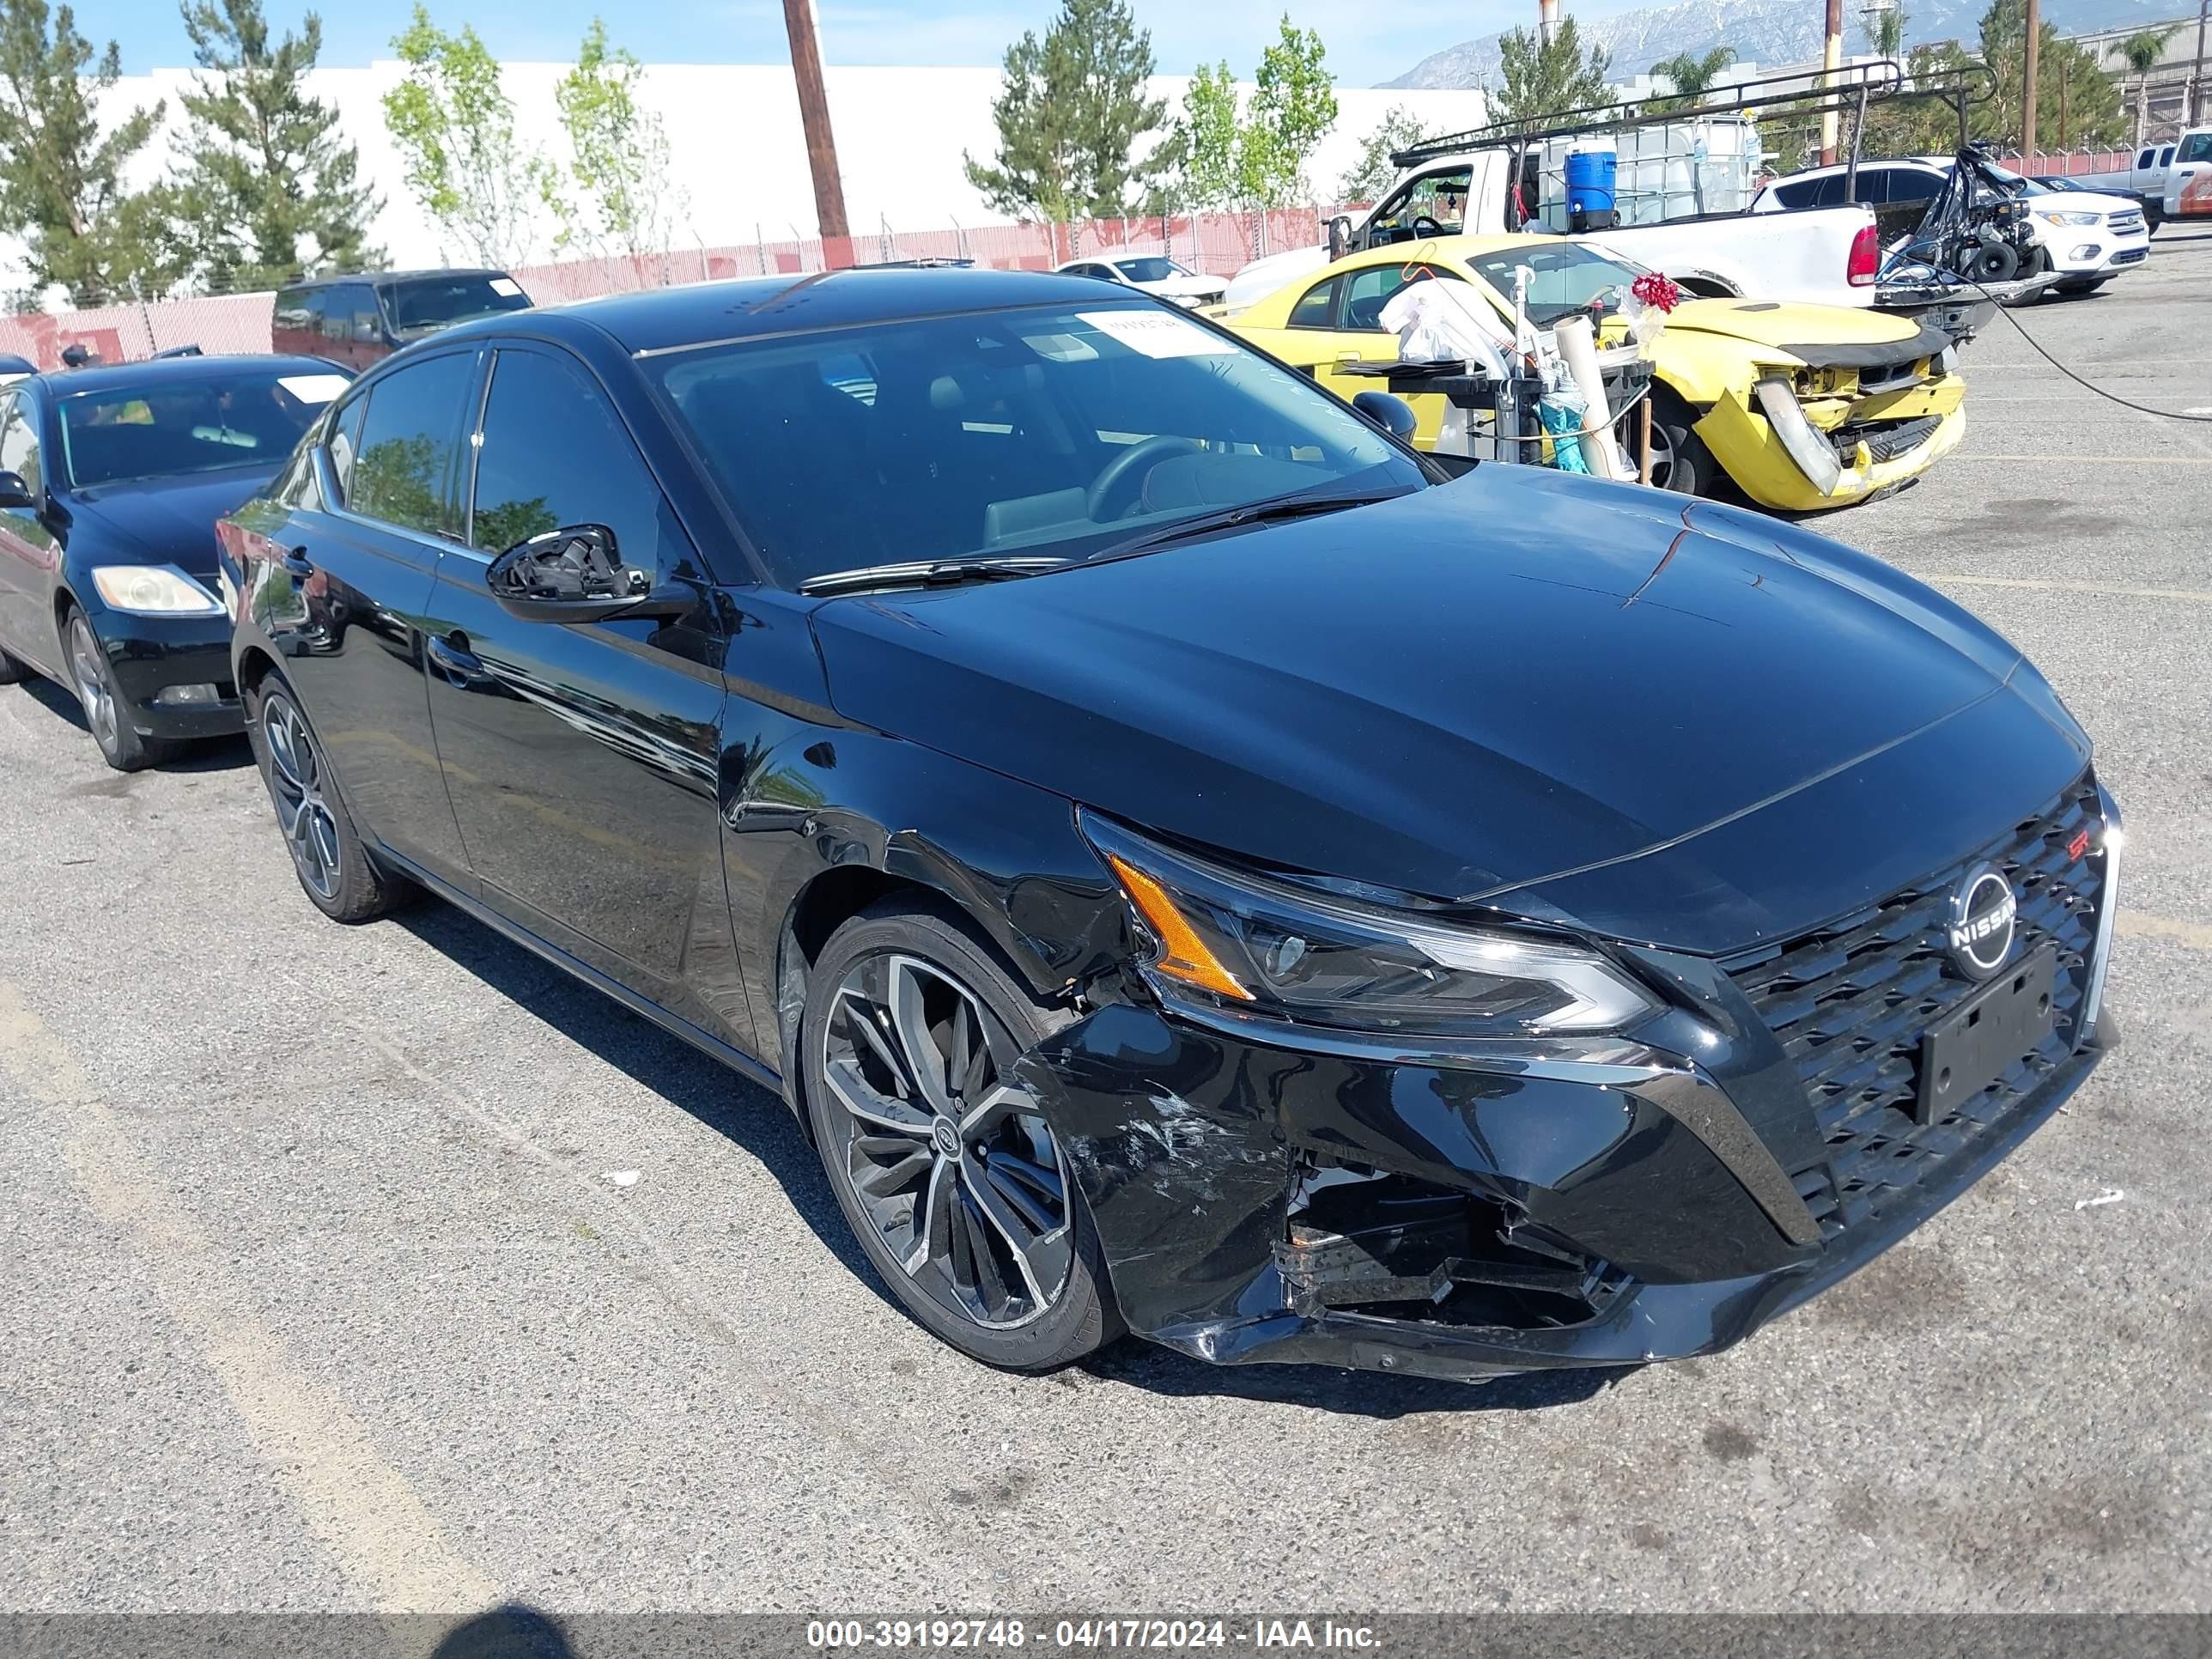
point(153, 589)
point(1234, 939)
point(2071, 218)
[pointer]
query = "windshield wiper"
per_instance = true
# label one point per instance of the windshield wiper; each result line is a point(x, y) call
point(928, 572)
point(1267, 512)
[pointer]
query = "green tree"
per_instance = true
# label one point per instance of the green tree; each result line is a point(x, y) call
point(1374, 172)
point(2091, 110)
point(1203, 147)
point(1542, 79)
point(454, 125)
point(1070, 110)
point(1885, 31)
point(2141, 52)
point(617, 196)
point(268, 189)
point(61, 176)
point(1293, 108)
point(1691, 74)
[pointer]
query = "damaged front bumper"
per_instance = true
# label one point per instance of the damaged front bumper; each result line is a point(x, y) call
point(1797, 452)
point(1432, 1216)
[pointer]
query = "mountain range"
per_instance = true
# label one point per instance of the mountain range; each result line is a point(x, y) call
point(1773, 32)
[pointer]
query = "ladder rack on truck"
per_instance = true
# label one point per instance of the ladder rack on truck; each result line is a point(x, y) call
point(1793, 97)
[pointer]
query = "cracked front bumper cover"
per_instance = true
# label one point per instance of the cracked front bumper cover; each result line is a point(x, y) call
point(1780, 459)
point(1187, 1144)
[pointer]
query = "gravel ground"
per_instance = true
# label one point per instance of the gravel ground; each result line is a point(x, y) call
point(318, 1295)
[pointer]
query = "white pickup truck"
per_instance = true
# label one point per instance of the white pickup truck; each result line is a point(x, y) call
point(1827, 255)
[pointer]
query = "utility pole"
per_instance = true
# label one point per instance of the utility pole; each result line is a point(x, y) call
point(821, 143)
point(1547, 21)
point(2027, 86)
point(1831, 59)
point(2196, 80)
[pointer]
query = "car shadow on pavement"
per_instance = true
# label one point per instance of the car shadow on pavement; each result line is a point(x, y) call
point(206, 754)
point(750, 1117)
point(740, 1111)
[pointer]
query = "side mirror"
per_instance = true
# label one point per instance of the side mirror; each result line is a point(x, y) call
point(14, 492)
point(1339, 236)
point(575, 575)
point(1394, 415)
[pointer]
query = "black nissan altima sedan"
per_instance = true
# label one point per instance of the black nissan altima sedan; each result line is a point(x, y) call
point(111, 481)
point(1194, 865)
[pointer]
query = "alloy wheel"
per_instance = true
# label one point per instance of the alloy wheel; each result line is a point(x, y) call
point(296, 784)
point(955, 1169)
point(1662, 456)
point(87, 667)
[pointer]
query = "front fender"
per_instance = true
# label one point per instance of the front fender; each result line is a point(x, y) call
point(810, 803)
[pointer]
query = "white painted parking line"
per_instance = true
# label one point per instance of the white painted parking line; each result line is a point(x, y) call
point(375, 1527)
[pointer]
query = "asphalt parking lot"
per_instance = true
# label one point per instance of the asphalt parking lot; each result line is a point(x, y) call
point(317, 1293)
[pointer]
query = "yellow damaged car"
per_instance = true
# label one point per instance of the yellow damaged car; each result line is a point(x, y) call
point(1800, 406)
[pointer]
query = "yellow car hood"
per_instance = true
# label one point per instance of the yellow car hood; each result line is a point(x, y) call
point(1785, 327)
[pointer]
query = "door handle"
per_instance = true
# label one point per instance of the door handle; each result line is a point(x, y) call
point(1351, 357)
point(296, 561)
point(456, 661)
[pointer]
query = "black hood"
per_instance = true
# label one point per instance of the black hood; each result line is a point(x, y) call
point(1484, 690)
point(167, 520)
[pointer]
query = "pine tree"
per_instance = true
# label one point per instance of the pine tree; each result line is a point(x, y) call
point(61, 178)
point(1069, 112)
point(270, 188)
point(1547, 78)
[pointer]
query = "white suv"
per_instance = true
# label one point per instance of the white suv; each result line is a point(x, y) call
point(2089, 238)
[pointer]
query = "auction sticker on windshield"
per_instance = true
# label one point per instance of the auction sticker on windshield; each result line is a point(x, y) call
point(1158, 333)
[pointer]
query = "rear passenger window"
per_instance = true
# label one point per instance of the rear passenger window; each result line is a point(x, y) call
point(1826, 192)
point(402, 470)
point(1315, 306)
point(292, 313)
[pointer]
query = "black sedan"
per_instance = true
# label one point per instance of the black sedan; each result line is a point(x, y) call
point(1193, 865)
point(111, 481)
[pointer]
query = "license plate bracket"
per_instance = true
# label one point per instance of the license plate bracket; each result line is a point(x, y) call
point(1963, 1053)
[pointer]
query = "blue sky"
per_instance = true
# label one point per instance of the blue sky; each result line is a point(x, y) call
point(1362, 49)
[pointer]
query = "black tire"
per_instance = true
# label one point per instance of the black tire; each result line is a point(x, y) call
point(14, 671)
point(107, 715)
point(334, 868)
point(1007, 1267)
point(1679, 460)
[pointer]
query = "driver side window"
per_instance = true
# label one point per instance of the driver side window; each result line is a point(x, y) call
point(555, 453)
point(1440, 197)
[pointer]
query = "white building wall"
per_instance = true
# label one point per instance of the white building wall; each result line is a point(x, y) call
point(740, 157)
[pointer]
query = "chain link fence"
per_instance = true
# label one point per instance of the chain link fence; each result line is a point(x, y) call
point(1219, 244)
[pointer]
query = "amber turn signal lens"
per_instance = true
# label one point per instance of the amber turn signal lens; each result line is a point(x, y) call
point(1183, 954)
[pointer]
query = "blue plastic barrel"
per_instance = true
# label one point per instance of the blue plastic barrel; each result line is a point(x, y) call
point(1589, 189)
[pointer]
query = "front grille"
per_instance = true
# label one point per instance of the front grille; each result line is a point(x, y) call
point(2132, 256)
point(1850, 1003)
point(2125, 224)
point(1885, 440)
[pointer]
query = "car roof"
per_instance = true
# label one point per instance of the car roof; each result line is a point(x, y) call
point(379, 278)
point(668, 318)
point(173, 371)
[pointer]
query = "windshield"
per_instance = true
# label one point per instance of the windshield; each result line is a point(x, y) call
point(170, 429)
point(429, 303)
point(1048, 430)
point(1150, 270)
point(1568, 278)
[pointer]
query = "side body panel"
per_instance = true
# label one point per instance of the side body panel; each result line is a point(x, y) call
point(31, 539)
